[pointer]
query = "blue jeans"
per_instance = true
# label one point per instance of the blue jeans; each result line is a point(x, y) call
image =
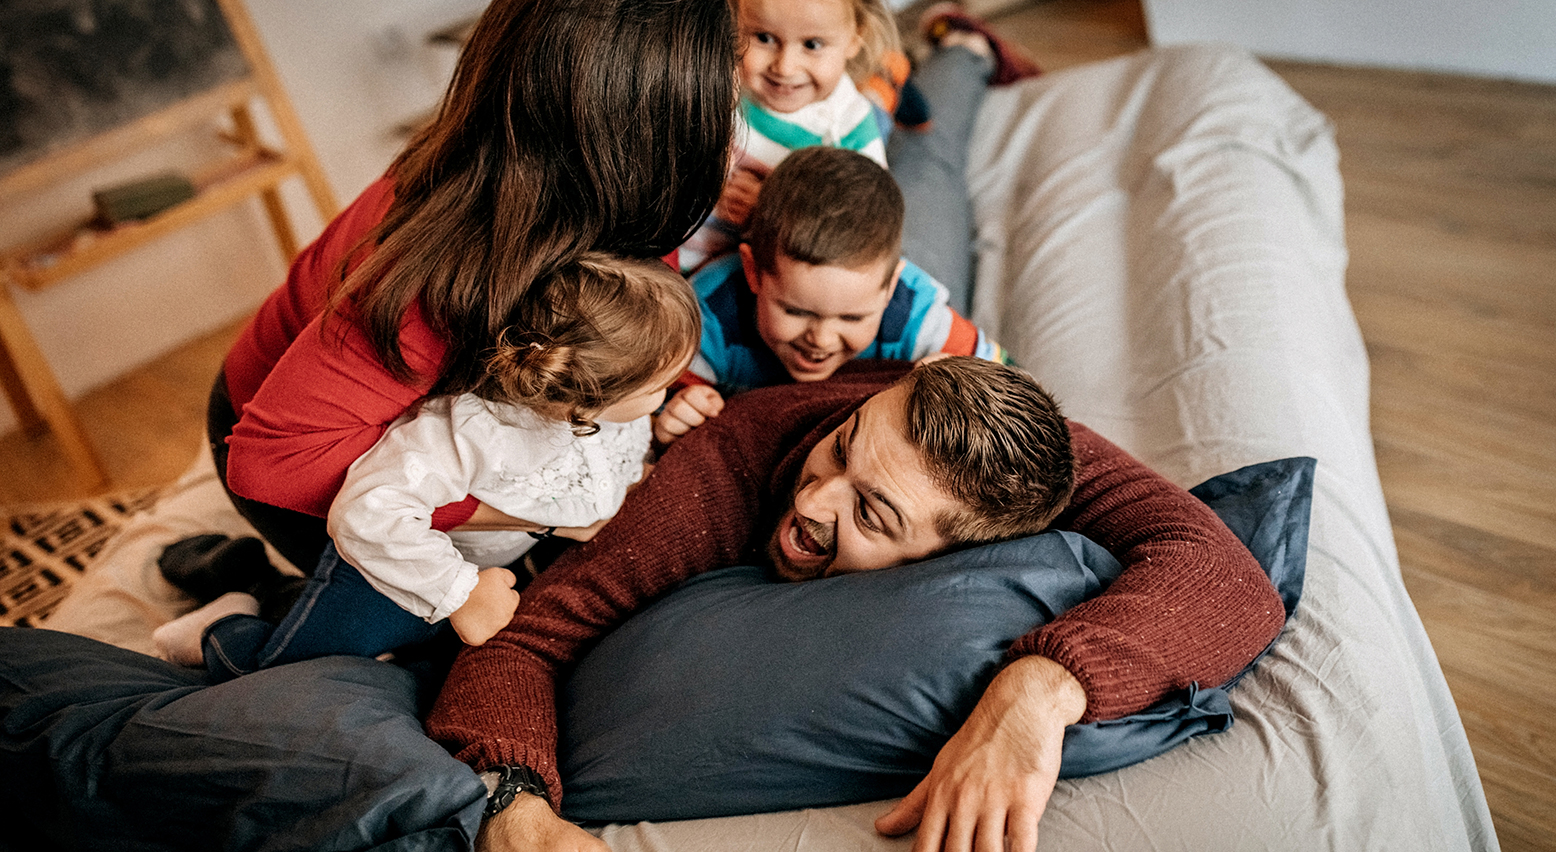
point(339, 613)
point(931, 168)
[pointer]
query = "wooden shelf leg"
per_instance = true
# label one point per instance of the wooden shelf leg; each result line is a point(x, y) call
point(27, 414)
point(44, 400)
point(248, 137)
point(286, 238)
point(287, 122)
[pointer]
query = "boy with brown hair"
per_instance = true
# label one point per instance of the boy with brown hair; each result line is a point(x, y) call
point(818, 281)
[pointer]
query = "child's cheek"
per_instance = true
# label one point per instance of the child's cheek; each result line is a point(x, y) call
point(771, 327)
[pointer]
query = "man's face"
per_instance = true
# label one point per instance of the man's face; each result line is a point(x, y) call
point(863, 501)
point(817, 318)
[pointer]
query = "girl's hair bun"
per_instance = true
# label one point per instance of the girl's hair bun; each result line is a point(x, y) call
point(592, 332)
point(530, 367)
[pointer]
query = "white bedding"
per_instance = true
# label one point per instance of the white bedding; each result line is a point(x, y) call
point(1161, 243)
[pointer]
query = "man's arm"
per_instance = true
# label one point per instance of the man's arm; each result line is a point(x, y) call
point(529, 825)
point(1192, 604)
point(993, 778)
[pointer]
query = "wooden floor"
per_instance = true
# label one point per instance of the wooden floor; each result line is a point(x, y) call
point(1451, 205)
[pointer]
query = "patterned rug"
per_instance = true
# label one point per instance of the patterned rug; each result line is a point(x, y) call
point(43, 549)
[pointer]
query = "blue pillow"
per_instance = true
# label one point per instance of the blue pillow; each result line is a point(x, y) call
point(736, 695)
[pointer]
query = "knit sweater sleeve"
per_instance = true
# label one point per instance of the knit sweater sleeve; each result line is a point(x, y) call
point(705, 506)
point(1192, 604)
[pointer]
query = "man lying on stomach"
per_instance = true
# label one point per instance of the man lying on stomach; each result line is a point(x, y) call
point(872, 469)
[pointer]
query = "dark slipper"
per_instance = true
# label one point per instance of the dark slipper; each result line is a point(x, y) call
point(205, 567)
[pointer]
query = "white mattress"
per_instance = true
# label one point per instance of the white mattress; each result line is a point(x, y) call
point(1161, 244)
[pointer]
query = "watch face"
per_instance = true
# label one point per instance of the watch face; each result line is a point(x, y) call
point(490, 779)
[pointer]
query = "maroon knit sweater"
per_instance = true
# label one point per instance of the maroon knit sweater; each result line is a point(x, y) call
point(1191, 605)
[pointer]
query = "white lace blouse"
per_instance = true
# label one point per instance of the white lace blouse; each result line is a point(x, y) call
point(508, 457)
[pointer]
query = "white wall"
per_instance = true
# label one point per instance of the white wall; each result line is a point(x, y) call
point(1513, 39)
point(355, 70)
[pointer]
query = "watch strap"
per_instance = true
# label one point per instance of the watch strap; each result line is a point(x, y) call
point(510, 781)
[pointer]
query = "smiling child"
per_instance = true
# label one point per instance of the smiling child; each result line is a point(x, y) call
point(818, 281)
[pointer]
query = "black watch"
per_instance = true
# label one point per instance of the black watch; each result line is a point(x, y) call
point(505, 783)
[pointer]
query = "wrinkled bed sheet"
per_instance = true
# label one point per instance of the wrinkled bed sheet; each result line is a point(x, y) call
point(1161, 243)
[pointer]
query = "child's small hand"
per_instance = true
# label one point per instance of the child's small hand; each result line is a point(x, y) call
point(688, 409)
point(740, 192)
point(488, 609)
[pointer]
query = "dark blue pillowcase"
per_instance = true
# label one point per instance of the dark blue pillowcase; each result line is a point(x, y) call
point(103, 748)
point(738, 695)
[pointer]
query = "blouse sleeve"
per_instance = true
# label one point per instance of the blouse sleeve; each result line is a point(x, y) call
point(381, 521)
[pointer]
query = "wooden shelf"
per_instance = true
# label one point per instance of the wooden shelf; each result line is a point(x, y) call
point(38, 264)
point(251, 170)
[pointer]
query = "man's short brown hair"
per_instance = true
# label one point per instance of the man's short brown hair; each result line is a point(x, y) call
point(826, 207)
point(996, 441)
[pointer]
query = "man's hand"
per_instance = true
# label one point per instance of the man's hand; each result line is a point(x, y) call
point(530, 825)
point(689, 408)
point(581, 533)
point(740, 191)
point(991, 782)
point(488, 609)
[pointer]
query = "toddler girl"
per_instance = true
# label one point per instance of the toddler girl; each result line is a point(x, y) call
point(801, 71)
point(549, 442)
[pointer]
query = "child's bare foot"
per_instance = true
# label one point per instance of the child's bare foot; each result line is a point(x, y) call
point(948, 25)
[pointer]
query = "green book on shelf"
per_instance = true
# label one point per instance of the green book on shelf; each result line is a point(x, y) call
point(143, 198)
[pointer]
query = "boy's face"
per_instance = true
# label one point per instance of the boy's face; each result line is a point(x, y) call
point(817, 318)
point(795, 50)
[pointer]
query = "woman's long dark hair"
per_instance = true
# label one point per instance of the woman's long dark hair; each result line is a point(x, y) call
point(569, 126)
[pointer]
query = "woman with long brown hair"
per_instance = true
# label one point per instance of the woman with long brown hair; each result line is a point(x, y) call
point(569, 126)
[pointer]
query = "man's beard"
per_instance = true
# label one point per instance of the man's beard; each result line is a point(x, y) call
point(820, 536)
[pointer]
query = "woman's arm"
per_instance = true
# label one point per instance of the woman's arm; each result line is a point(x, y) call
point(325, 403)
point(1192, 604)
point(312, 398)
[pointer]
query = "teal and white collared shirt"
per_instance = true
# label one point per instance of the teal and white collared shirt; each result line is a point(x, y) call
point(843, 119)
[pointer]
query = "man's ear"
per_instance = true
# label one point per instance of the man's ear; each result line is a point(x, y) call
point(748, 263)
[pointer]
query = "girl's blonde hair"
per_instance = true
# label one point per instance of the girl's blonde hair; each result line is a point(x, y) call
point(592, 332)
point(878, 30)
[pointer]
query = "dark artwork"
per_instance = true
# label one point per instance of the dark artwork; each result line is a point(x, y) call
point(70, 69)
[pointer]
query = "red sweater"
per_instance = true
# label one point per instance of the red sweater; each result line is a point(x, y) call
point(1191, 605)
point(312, 401)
